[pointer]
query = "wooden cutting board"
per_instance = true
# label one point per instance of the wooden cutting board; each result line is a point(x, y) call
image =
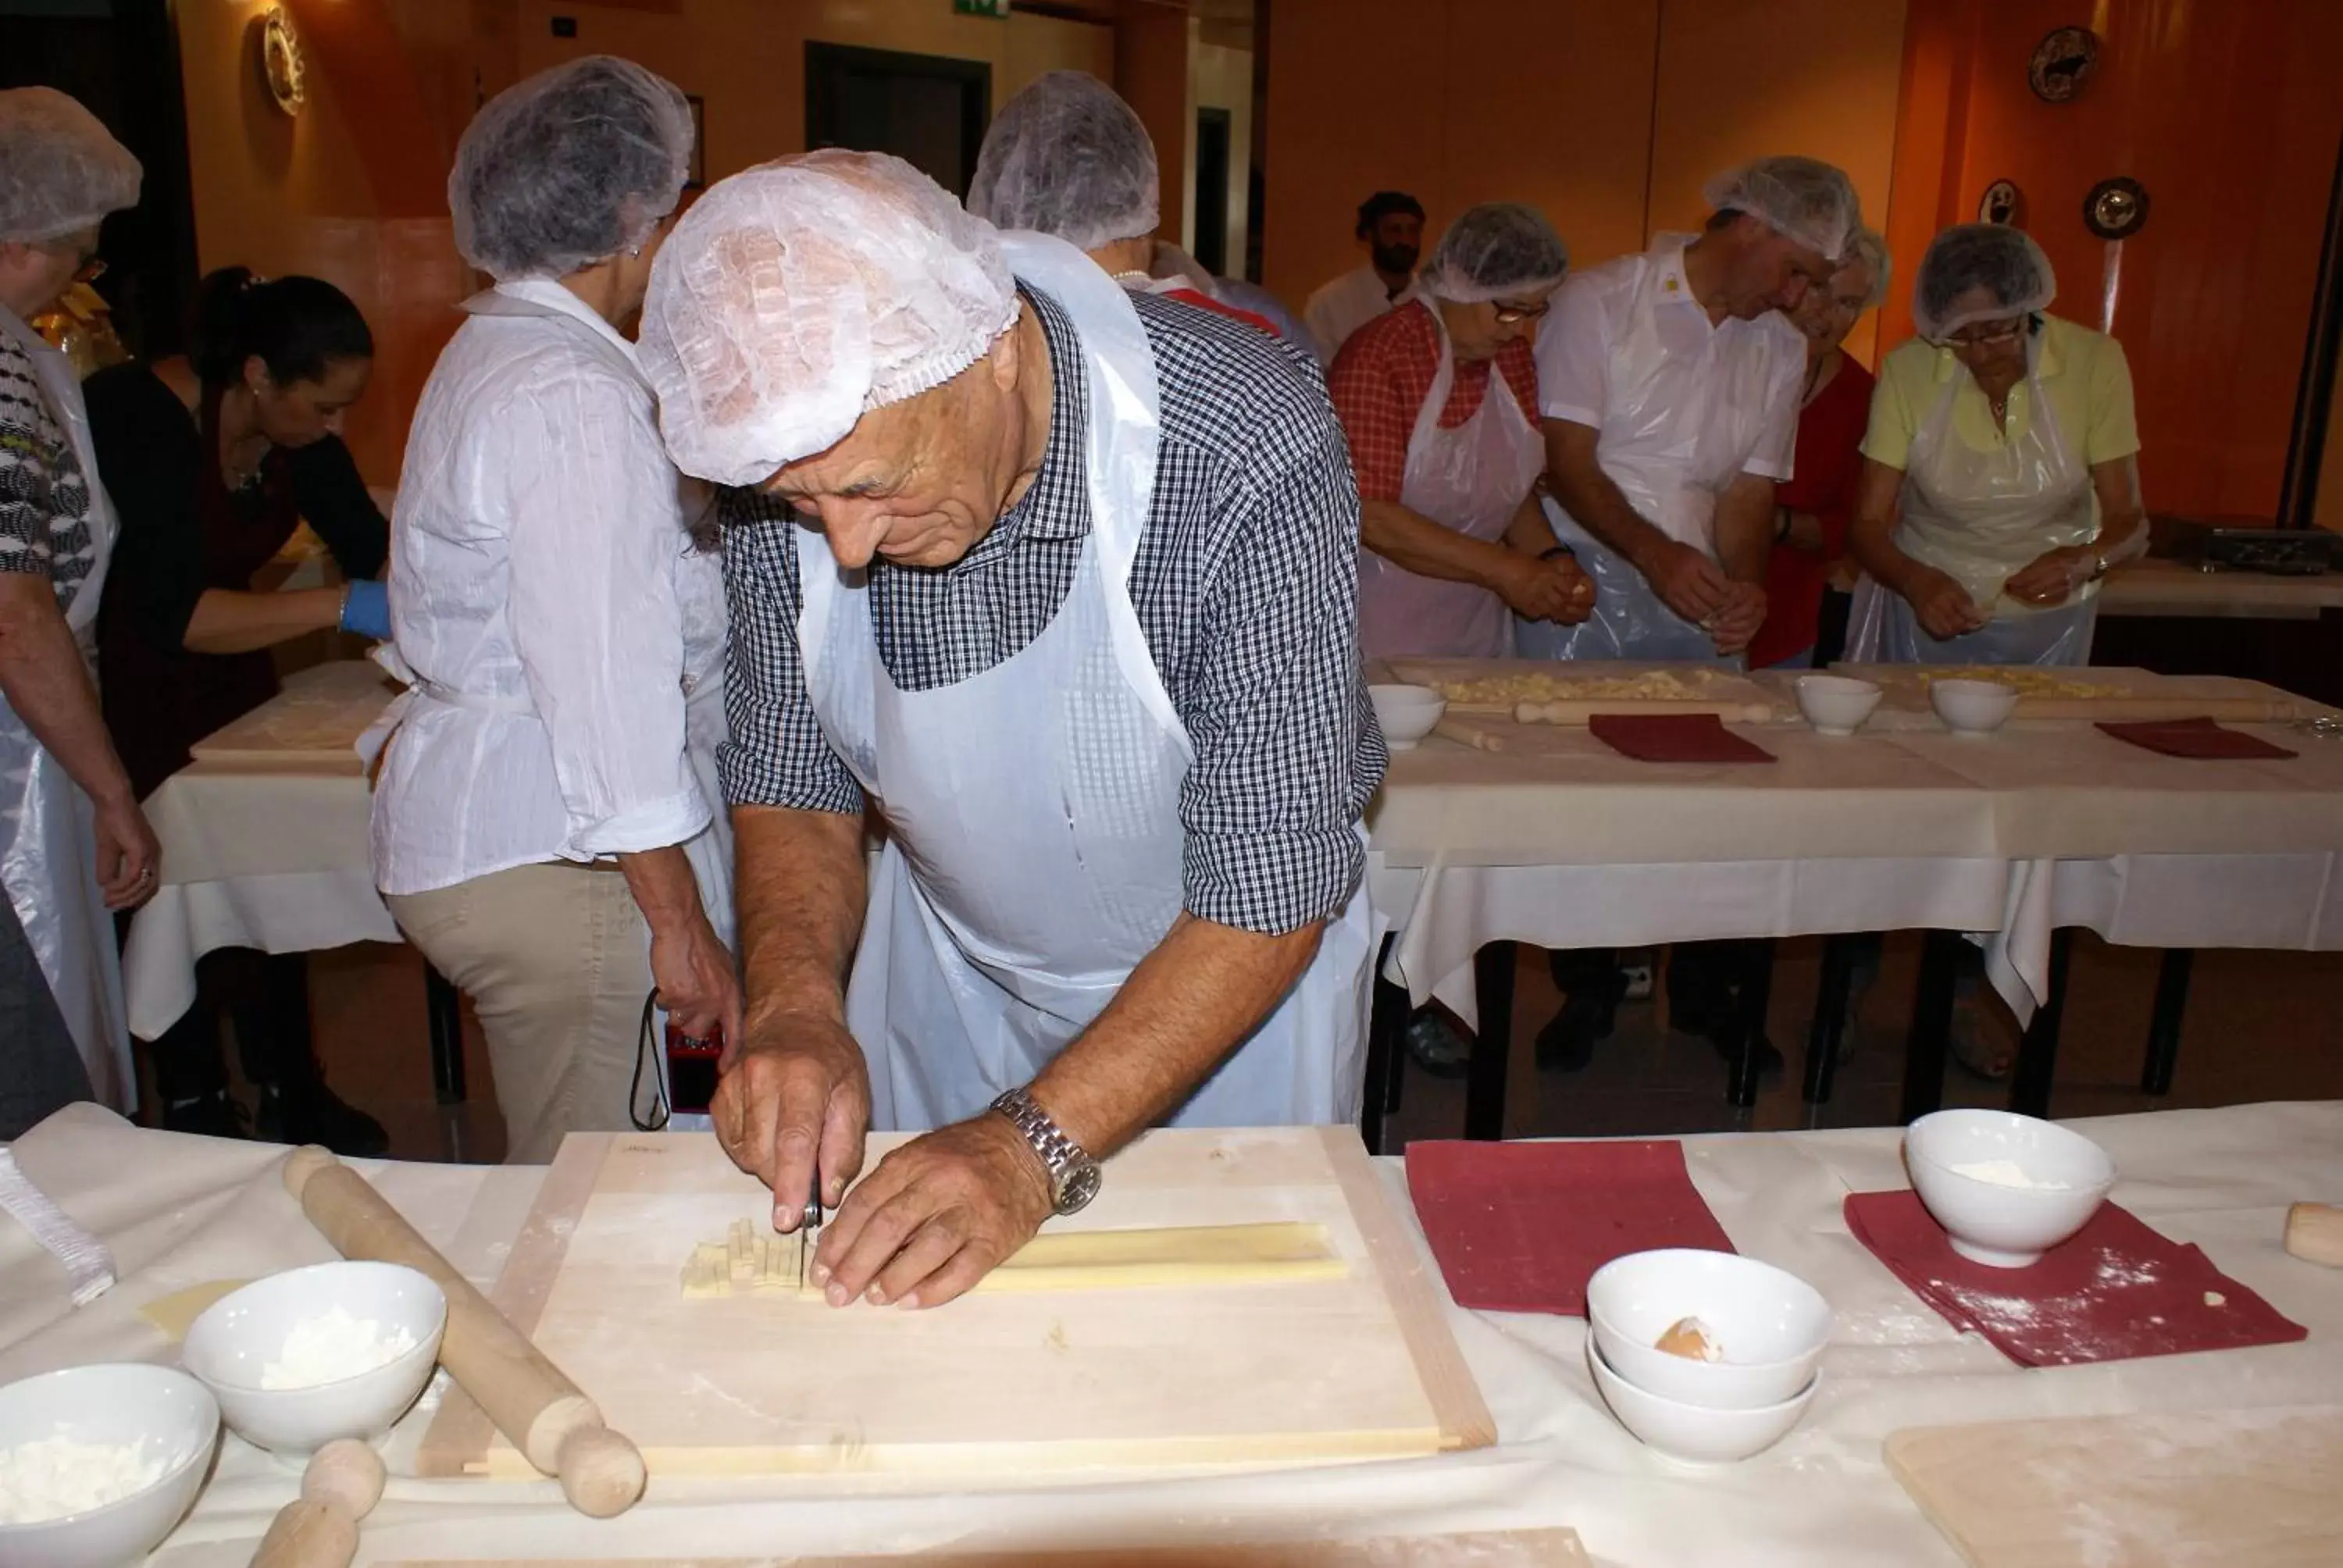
point(990, 1390)
point(1477, 1549)
point(2126, 694)
point(314, 722)
point(1734, 698)
point(2195, 1489)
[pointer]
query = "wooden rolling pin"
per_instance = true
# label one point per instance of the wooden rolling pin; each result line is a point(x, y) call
point(319, 1529)
point(2314, 1233)
point(544, 1414)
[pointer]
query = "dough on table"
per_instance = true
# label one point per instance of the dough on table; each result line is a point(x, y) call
point(745, 1262)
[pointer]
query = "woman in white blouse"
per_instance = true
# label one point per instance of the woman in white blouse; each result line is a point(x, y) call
point(547, 827)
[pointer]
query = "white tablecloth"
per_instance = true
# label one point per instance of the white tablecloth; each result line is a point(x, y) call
point(182, 1211)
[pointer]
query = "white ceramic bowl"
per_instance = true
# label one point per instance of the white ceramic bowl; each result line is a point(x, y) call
point(1687, 1431)
point(1837, 704)
point(168, 1414)
point(1968, 1167)
point(1771, 1324)
point(1407, 713)
point(239, 1334)
point(1972, 706)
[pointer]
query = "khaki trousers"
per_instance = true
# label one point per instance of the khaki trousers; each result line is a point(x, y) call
point(555, 958)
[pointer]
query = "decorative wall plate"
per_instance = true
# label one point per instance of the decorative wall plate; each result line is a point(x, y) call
point(281, 65)
point(2001, 202)
point(2064, 63)
point(2115, 208)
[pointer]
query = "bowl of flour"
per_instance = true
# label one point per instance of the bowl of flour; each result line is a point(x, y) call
point(310, 1355)
point(2006, 1188)
point(98, 1463)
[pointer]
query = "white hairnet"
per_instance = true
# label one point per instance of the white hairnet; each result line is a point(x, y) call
point(1867, 248)
point(569, 167)
point(797, 295)
point(2002, 261)
point(60, 170)
point(1498, 250)
point(1802, 200)
point(1067, 157)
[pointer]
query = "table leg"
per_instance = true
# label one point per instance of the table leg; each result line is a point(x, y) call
point(1823, 1037)
point(2164, 1024)
point(2037, 1051)
point(1932, 1020)
point(1750, 995)
point(1386, 1045)
point(444, 1011)
point(1484, 1078)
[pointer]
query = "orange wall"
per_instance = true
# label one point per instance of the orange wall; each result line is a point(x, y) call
point(323, 192)
point(1608, 115)
point(2228, 115)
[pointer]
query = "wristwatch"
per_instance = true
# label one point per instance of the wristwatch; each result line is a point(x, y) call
point(2099, 566)
point(1073, 1175)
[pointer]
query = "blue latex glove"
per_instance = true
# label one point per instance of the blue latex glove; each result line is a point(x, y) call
point(367, 610)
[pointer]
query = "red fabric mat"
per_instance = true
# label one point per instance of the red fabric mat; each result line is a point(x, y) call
point(2195, 737)
point(2116, 1291)
point(1673, 737)
point(1519, 1227)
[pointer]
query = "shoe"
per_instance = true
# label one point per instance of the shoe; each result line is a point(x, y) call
point(313, 1113)
point(1972, 1049)
point(218, 1114)
point(1437, 1044)
point(1566, 1044)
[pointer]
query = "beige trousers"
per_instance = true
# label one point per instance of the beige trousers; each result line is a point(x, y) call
point(555, 958)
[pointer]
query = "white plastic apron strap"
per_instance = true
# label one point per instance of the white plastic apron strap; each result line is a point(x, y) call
point(89, 1265)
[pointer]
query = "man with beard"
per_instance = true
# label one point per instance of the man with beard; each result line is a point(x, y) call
point(1391, 226)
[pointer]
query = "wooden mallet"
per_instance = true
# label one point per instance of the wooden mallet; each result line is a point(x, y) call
point(556, 1427)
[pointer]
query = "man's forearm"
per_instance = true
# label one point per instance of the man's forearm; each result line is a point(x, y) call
point(1528, 530)
point(1745, 527)
point(1595, 503)
point(1429, 548)
point(797, 897)
point(1202, 991)
point(48, 686)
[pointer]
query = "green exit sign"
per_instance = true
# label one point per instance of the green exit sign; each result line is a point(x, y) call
point(981, 7)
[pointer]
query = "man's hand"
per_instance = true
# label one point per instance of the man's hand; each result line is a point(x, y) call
point(1735, 626)
point(1942, 606)
point(697, 983)
point(1551, 589)
point(2052, 578)
point(938, 1214)
point(1687, 581)
point(795, 1096)
point(127, 855)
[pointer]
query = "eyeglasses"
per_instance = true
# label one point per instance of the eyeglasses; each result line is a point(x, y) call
point(1512, 314)
point(91, 270)
point(1992, 335)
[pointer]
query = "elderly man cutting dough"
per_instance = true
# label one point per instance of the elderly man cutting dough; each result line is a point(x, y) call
point(1070, 607)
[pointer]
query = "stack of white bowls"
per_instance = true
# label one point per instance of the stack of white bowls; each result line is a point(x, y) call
point(1770, 1327)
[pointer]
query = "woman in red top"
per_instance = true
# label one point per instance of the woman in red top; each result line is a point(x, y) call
point(1805, 618)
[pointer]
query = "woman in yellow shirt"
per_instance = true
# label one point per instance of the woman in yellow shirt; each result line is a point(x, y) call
point(2000, 476)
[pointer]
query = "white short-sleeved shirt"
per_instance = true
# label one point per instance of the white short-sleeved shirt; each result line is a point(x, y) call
point(1719, 397)
point(1343, 305)
point(542, 578)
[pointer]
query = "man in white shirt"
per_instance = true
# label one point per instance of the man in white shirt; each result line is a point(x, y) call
point(1670, 384)
point(1391, 226)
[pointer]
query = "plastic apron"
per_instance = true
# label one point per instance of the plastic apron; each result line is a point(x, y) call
point(1676, 430)
point(698, 587)
point(1980, 516)
point(1471, 479)
point(48, 835)
point(1034, 844)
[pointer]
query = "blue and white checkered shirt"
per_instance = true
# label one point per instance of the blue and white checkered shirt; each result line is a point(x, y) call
point(1246, 587)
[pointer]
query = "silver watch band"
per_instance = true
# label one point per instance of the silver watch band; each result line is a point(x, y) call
point(1073, 1174)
